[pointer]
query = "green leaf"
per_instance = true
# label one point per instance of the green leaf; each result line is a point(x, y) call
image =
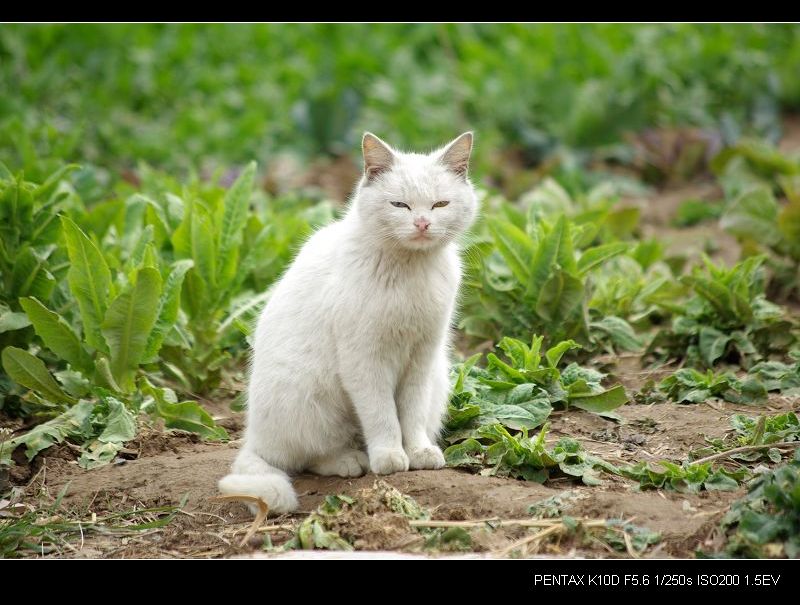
point(712, 344)
point(72, 423)
point(566, 252)
point(98, 453)
point(74, 382)
point(545, 259)
point(30, 372)
point(620, 333)
point(137, 255)
point(464, 369)
point(234, 218)
point(593, 257)
point(554, 354)
point(753, 215)
point(721, 481)
point(466, 453)
point(186, 415)
point(168, 307)
point(194, 239)
point(57, 334)
point(127, 325)
point(600, 402)
point(461, 416)
point(514, 246)
point(716, 294)
point(104, 376)
point(514, 416)
point(30, 276)
point(560, 295)
point(789, 226)
point(12, 320)
point(511, 373)
point(45, 189)
point(120, 423)
point(89, 280)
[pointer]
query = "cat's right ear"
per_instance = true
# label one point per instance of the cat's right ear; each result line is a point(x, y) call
point(378, 156)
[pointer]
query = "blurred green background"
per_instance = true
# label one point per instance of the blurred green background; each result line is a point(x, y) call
point(215, 96)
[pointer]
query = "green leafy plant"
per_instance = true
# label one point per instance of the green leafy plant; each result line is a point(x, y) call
point(779, 376)
point(762, 224)
point(524, 457)
point(639, 538)
point(766, 522)
point(102, 427)
point(123, 323)
point(726, 318)
point(531, 278)
point(751, 173)
point(686, 477)
point(521, 394)
point(693, 212)
point(31, 256)
point(232, 253)
point(690, 386)
point(750, 433)
point(204, 93)
point(632, 288)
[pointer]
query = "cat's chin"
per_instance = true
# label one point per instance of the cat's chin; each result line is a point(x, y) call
point(422, 243)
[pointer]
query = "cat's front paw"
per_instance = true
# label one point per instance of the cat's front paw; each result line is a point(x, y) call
point(384, 461)
point(425, 457)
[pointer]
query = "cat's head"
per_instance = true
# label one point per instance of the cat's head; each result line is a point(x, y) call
point(416, 201)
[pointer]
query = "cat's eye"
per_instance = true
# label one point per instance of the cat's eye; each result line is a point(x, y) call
point(439, 205)
point(400, 205)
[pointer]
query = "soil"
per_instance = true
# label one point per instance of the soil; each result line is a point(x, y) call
point(169, 468)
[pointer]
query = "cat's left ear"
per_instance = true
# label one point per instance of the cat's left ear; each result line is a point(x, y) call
point(378, 156)
point(456, 154)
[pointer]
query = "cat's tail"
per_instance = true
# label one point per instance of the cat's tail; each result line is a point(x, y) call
point(252, 476)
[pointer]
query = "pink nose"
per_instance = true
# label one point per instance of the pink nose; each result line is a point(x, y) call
point(422, 223)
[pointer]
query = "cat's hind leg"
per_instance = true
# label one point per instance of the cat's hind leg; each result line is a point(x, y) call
point(344, 463)
point(439, 396)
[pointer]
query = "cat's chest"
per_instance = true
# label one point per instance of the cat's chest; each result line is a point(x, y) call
point(401, 302)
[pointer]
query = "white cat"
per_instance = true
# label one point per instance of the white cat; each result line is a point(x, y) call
point(352, 348)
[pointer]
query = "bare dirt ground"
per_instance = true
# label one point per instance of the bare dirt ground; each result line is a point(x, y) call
point(164, 469)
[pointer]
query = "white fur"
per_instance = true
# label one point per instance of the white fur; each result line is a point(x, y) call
point(351, 352)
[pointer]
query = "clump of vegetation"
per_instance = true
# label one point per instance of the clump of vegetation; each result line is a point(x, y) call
point(690, 386)
point(752, 172)
point(756, 439)
point(726, 318)
point(519, 396)
point(531, 279)
point(31, 260)
point(693, 212)
point(686, 477)
point(766, 522)
point(524, 457)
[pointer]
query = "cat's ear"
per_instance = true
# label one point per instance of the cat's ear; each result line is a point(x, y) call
point(456, 154)
point(378, 156)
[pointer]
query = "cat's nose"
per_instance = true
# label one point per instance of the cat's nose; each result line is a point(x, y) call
point(422, 223)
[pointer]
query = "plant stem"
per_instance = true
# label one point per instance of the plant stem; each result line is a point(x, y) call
point(746, 448)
